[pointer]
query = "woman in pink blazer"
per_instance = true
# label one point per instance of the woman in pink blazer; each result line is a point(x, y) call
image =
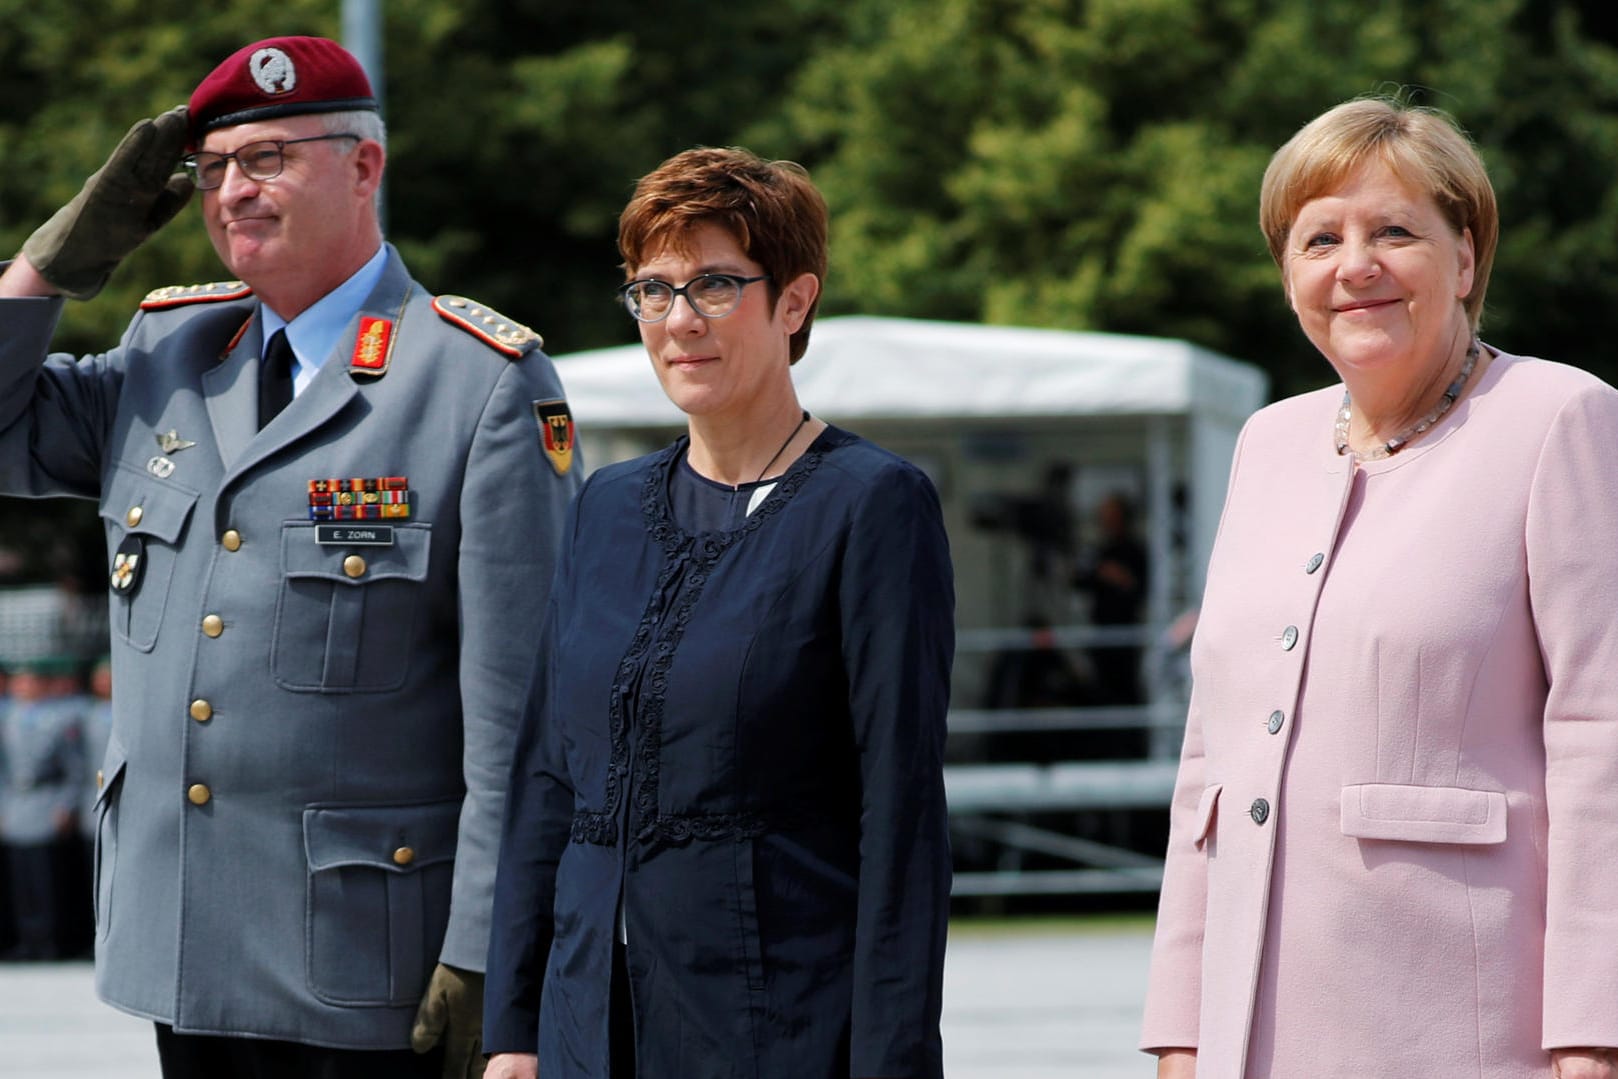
point(1394, 848)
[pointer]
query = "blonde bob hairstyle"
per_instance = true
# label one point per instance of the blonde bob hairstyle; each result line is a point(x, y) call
point(1422, 146)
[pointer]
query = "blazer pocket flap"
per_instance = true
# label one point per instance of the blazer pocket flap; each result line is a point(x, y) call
point(1207, 806)
point(145, 505)
point(1418, 814)
point(403, 555)
point(398, 838)
point(112, 766)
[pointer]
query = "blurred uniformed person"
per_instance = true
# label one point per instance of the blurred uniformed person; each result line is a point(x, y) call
point(43, 756)
point(332, 502)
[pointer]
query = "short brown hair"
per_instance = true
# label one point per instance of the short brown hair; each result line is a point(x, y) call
point(1422, 146)
point(773, 210)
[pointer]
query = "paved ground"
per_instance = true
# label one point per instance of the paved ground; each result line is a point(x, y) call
point(1020, 1002)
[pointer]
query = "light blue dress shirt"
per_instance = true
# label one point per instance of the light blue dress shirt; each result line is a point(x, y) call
point(315, 332)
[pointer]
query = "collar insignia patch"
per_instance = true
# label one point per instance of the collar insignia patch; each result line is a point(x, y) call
point(372, 348)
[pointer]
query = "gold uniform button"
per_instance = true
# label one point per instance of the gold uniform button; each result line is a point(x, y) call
point(404, 856)
point(132, 518)
point(354, 566)
point(198, 794)
point(201, 710)
point(231, 540)
point(213, 625)
point(101, 780)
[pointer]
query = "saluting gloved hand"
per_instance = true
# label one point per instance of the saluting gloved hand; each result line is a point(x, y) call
point(452, 1012)
point(133, 195)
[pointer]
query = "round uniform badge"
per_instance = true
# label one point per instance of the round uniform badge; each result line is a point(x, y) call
point(128, 562)
point(272, 70)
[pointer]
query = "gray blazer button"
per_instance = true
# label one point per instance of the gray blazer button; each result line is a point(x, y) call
point(1260, 811)
point(1276, 719)
point(1289, 637)
point(1315, 561)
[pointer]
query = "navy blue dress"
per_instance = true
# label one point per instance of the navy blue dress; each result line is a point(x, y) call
point(732, 757)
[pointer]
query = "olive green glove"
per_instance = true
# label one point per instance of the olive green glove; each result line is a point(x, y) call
point(133, 195)
point(452, 1012)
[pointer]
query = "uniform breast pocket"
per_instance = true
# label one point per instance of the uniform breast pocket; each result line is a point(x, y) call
point(145, 519)
point(346, 614)
point(379, 889)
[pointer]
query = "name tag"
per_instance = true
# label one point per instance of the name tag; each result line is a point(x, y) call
point(355, 535)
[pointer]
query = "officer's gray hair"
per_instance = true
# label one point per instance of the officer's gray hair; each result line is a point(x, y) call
point(365, 123)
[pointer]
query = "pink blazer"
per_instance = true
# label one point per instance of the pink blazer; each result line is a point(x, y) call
point(1394, 839)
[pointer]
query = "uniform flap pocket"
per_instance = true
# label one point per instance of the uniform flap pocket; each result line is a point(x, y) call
point(112, 766)
point(1424, 814)
point(145, 505)
point(393, 837)
point(1206, 807)
point(390, 552)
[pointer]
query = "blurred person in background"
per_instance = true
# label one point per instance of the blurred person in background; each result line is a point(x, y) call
point(331, 504)
point(1113, 572)
point(43, 753)
point(726, 850)
point(1394, 847)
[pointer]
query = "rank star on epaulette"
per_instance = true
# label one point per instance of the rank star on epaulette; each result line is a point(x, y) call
point(180, 295)
point(492, 328)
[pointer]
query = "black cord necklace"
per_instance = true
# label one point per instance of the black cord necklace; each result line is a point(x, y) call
point(783, 449)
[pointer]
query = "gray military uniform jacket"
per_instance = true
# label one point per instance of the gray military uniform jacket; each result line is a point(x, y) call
point(301, 794)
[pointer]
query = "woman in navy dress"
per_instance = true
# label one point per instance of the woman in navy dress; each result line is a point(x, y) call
point(726, 847)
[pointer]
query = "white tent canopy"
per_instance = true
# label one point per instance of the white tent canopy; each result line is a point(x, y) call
point(861, 367)
point(986, 405)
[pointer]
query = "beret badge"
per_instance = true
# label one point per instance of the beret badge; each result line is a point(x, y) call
point(272, 71)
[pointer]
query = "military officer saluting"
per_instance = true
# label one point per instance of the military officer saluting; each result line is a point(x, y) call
point(331, 503)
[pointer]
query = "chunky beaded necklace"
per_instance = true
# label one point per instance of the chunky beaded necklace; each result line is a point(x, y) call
point(1420, 427)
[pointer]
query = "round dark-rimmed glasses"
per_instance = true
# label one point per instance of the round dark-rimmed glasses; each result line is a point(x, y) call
point(257, 160)
point(711, 295)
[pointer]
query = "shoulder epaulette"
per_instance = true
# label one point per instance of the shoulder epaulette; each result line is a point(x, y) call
point(180, 295)
point(491, 327)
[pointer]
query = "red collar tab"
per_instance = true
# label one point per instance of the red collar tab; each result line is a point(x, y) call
point(373, 348)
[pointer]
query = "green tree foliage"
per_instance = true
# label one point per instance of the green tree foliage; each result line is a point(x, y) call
point(1094, 164)
point(1089, 164)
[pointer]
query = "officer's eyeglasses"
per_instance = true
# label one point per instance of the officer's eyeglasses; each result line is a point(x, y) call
point(711, 295)
point(257, 160)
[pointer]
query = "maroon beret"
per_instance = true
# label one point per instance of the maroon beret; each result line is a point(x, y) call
point(280, 76)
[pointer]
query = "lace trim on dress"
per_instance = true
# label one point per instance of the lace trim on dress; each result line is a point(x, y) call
point(693, 558)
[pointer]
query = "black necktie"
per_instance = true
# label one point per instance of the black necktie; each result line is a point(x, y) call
point(274, 379)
